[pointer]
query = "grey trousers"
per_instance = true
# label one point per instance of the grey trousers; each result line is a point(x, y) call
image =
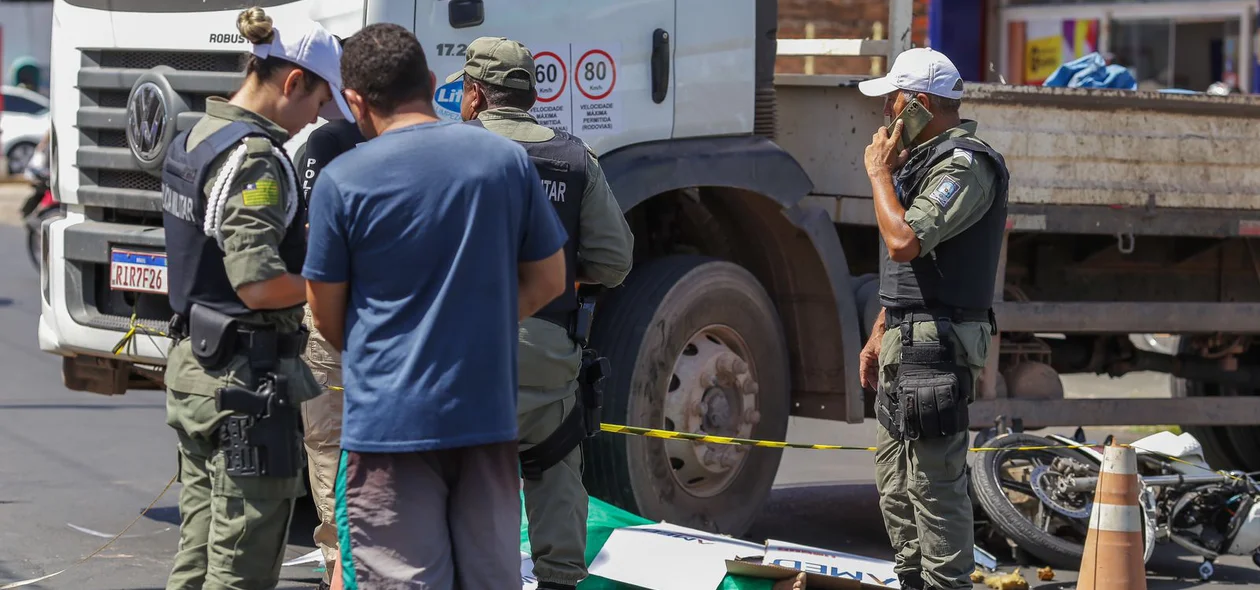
point(436, 520)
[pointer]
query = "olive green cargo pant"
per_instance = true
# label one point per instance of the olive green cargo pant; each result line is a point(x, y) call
point(923, 486)
point(321, 423)
point(233, 530)
point(555, 506)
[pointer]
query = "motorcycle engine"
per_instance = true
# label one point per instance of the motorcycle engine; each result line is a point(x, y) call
point(1209, 517)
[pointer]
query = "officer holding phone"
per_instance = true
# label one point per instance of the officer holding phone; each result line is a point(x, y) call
point(940, 203)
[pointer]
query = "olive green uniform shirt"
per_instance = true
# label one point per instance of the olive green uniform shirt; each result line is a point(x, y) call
point(251, 245)
point(977, 180)
point(548, 359)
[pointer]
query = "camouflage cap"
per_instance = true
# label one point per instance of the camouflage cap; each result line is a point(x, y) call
point(494, 59)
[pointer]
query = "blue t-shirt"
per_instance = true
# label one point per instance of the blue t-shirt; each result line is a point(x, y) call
point(427, 224)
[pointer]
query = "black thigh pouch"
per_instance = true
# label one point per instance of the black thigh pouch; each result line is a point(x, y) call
point(929, 397)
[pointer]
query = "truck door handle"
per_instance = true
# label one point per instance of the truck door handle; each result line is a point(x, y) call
point(466, 13)
point(660, 65)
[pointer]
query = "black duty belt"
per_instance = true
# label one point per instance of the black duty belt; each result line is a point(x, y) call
point(288, 344)
point(957, 315)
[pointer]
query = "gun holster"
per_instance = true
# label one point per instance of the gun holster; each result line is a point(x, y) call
point(930, 396)
point(581, 423)
point(263, 437)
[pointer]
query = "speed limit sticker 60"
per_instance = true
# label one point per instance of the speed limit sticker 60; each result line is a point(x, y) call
point(551, 76)
point(595, 74)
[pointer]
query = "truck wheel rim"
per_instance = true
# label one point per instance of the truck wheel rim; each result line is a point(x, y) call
point(713, 391)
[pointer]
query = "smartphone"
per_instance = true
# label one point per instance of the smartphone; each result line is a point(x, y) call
point(915, 119)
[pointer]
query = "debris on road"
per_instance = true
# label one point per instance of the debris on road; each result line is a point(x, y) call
point(1011, 581)
point(1045, 574)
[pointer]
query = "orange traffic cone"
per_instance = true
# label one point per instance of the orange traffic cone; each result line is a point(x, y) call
point(1114, 546)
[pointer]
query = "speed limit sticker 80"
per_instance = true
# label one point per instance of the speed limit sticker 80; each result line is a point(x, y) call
point(597, 109)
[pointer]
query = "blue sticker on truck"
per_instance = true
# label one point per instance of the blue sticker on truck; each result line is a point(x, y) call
point(447, 98)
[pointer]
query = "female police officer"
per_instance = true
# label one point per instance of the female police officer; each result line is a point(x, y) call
point(235, 242)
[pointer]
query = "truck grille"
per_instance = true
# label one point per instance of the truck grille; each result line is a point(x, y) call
point(122, 201)
point(108, 178)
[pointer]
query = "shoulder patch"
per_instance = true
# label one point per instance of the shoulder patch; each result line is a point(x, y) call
point(965, 155)
point(263, 193)
point(946, 189)
point(257, 146)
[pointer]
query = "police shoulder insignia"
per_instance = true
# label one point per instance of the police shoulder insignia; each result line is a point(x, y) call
point(964, 155)
point(945, 191)
point(261, 193)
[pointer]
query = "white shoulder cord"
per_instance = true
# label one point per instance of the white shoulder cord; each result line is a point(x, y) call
point(219, 193)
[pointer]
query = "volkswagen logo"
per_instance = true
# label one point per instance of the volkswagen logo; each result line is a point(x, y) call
point(151, 111)
point(146, 121)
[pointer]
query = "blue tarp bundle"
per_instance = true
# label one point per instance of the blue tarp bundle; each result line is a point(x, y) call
point(1091, 71)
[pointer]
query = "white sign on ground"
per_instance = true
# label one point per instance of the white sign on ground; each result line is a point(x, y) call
point(668, 557)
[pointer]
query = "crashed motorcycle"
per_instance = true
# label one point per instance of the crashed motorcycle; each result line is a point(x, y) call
point(40, 205)
point(1038, 495)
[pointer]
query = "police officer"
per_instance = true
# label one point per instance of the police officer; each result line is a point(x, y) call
point(941, 210)
point(321, 417)
point(235, 241)
point(499, 90)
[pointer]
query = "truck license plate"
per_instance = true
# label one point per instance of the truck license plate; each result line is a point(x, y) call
point(144, 272)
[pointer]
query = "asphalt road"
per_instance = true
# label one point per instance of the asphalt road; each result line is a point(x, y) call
point(75, 468)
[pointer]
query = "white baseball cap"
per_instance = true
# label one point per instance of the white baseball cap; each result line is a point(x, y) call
point(918, 70)
point(318, 51)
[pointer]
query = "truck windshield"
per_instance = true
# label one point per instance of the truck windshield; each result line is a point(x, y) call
point(172, 5)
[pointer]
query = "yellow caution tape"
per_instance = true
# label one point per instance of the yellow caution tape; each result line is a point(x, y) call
point(774, 444)
point(21, 583)
point(134, 326)
point(722, 440)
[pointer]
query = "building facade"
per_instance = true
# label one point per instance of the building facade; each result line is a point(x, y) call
point(1179, 44)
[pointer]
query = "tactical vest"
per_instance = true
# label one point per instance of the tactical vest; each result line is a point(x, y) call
point(194, 260)
point(961, 271)
point(561, 163)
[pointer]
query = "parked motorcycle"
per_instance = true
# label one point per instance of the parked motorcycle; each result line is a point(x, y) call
point(40, 205)
point(1041, 498)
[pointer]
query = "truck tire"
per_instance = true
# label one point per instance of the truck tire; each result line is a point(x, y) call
point(695, 345)
point(1224, 447)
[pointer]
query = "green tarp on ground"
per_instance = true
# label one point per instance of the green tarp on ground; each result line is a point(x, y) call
point(602, 519)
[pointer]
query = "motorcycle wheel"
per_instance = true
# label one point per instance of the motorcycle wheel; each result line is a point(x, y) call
point(1014, 505)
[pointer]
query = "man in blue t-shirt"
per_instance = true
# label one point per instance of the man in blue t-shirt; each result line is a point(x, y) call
point(428, 244)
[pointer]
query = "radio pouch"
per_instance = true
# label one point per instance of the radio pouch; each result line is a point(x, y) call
point(213, 336)
point(931, 392)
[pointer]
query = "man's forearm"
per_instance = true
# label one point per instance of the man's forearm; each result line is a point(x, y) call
point(890, 216)
point(328, 310)
point(877, 330)
point(285, 291)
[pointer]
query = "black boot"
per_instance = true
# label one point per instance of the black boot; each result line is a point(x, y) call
point(555, 586)
point(323, 585)
point(911, 581)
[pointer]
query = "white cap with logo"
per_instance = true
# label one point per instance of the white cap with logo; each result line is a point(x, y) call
point(918, 70)
point(318, 51)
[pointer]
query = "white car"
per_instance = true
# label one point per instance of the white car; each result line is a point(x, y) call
point(23, 124)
